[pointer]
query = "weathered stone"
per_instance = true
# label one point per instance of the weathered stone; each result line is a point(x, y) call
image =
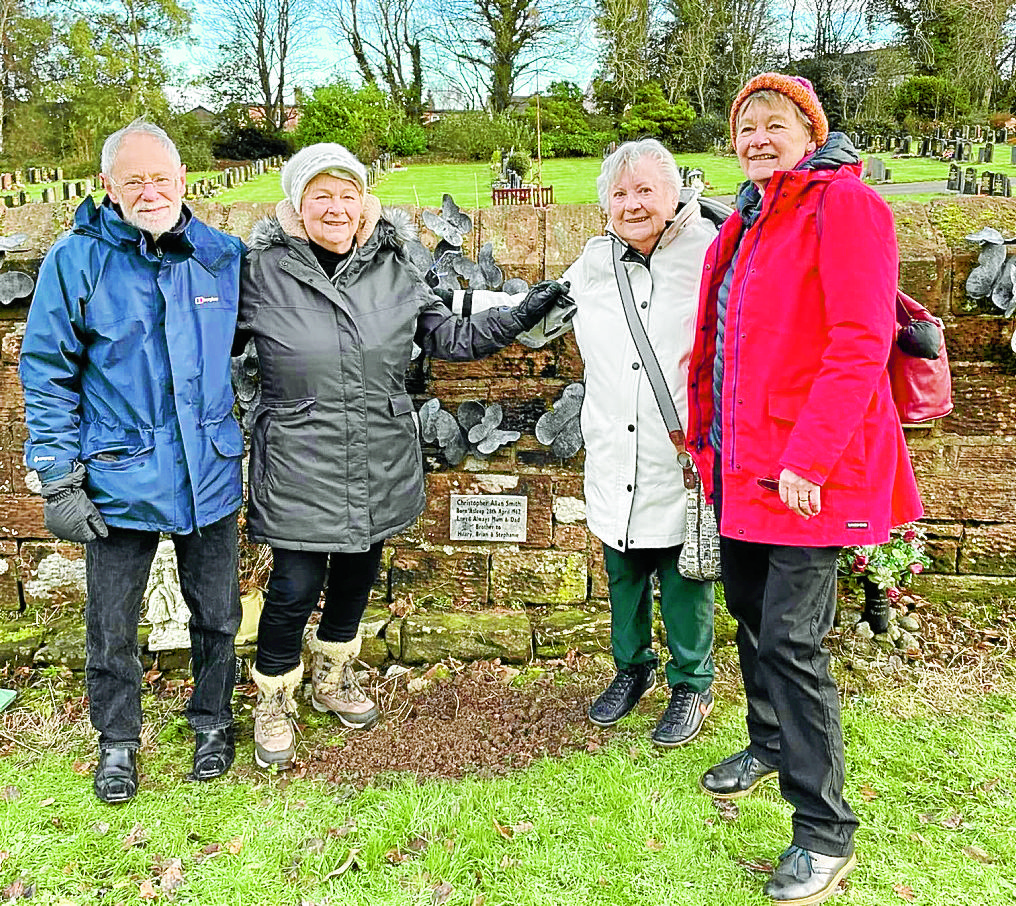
point(958, 590)
point(909, 623)
point(20, 638)
point(569, 362)
point(558, 630)
point(984, 399)
point(955, 218)
point(453, 575)
point(570, 537)
point(52, 573)
point(10, 597)
point(21, 516)
point(517, 234)
point(393, 638)
point(538, 577)
point(981, 339)
point(568, 228)
point(238, 219)
point(989, 550)
point(433, 635)
point(514, 361)
point(64, 642)
point(535, 488)
point(968, 482)
point(598, 587)
point(373, 625)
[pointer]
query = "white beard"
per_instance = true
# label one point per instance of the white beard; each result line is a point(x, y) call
point(154, 222)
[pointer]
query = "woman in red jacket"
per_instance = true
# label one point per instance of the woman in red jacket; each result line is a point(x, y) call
point(791, 416)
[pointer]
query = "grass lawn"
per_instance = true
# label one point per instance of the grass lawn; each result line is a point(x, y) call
point(931, 772)
point(573, 179)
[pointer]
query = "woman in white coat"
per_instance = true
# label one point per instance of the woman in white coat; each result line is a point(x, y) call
point(635, 495)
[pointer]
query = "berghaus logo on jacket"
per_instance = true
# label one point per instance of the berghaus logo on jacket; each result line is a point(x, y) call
point(201, 300)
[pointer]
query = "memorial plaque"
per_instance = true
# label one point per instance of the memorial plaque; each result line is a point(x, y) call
point(487, 517)
point(969, 181)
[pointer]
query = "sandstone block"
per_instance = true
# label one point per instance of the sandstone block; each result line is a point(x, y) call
point(978, 339)
point(20, 639)
point(989, 550)
point(21, 516)
point(433, 635)
point(517, 234)
point(457, 576)
point(52, 574)
point(538, 577)
point(558, 630)
point(64, 643)
point(955, 591)
point(570, 537)
point(985, 401)
point(10, 597)
point(598, 587)
point(568, 228)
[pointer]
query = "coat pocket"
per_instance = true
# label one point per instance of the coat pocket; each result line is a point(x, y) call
point(114, 448)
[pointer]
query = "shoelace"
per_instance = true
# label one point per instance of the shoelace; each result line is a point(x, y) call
point(619, 688)
point(799, 853)
point(350, 685)
point(680, 705)
point(275, 716)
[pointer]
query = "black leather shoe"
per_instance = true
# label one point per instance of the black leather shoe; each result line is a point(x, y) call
point(804, 878)
point(736, 776)
point(116, 776)
point(214, 751)
point(684, 716)
point(622, 694)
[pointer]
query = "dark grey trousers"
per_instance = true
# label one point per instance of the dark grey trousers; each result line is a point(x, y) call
point(784, 601)
point(117, 571)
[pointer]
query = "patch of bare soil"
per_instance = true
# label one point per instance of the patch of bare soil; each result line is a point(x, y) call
point(471, 722)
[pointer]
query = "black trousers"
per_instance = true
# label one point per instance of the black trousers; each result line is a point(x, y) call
point(784, 601)
point(294, 588)
point(116, 571)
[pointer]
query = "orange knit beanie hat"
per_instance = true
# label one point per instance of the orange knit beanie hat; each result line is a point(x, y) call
point(795, 88)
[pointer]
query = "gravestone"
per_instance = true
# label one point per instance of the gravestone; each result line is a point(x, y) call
point(957, 147)
point(876, 169)
point(970, 181)
point(57, 175)
point(67, 191)
point(9, 201)
point(968, 151)
point(1000, 185)
point(6, 181)
point(33, 176)
point(984, 183)
point(1012, 155)
point(966, 131)
point(989, 152)
point(23, 197)
point(938, 132)
point(955, 181)
point(905, 144)
point(49, 195)
point(980, 155)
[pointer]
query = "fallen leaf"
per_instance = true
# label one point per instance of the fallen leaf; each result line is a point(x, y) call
point(10, 793)
point(83, 767)
point(341, 831)
point(522, 827)
point(3, 857)
point(953, 821)
point(136, 837)
point(235, 845)
point(654, 844)
point(867, 793)
point(978, 854)
point(989, 785)
point(926, 817)
point(171, 877)
point(349, 865)
point(314, 844)
point(759, 865)
point(46, 802)
point(441, 893)
point(101, 828)
point(147, 890)
point(507, 861)
point(396, 857)
point(592, 746)
point(152, 675)
point(417, 844)
point(728, 810)
point(904, 892)
point(603, 882)
point(212, 849)
point(13, 891)
point(479, 899)
point(594, 820)
point(449, 845)
point(505, 832)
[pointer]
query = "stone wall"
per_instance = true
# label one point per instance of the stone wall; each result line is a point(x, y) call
point(546, 595)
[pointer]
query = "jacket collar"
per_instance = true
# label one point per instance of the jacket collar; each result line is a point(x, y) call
point(210, 248)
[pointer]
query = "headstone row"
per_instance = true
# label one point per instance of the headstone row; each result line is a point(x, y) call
point(965, 181)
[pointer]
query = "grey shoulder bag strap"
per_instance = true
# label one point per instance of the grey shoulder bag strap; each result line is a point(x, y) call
point(652, 366)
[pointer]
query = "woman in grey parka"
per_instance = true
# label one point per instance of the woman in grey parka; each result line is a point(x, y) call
point(334, 307)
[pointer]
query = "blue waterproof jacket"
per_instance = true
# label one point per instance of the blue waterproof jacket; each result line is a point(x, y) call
point(125, 367)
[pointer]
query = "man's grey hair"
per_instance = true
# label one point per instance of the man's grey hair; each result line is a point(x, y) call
point(111, 147)
point(626, 157)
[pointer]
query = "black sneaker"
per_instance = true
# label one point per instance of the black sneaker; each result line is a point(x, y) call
point(622, 694)
point(684, 716)
point(805, 878)
point(736, 776)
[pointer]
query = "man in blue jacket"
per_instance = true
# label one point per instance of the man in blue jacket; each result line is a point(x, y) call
point(128, 401)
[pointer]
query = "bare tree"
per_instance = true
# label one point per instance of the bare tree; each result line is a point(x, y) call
point(259, 43)
point(623, 27)
point(494, 42)
point(690, 48)
point(386, 39)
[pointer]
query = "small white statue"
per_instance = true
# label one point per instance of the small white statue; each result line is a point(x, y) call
point(167, 611)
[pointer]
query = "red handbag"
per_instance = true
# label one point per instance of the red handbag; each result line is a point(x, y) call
point(921, 387)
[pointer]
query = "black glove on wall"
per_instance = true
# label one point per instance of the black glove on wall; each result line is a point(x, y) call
point(539, 300)
point(68, 512)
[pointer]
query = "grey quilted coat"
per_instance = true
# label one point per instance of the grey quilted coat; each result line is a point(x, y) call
point(335, 462)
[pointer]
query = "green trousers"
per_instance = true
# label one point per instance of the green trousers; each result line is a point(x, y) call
point(687, 608)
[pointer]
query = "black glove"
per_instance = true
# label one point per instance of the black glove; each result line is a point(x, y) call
point(539, 300)
point(68, 512)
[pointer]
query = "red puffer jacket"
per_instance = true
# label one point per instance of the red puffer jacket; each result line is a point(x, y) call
point(810, 319)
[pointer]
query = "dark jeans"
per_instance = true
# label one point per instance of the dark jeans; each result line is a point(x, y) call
point(293, 591)
point(784, 601)
point(117, 570)
point(686, 606)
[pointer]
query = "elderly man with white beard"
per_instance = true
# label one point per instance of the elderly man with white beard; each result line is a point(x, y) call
point(128, 403)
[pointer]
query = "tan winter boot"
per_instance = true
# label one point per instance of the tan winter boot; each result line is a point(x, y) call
point(334, 685)
point(274, 731)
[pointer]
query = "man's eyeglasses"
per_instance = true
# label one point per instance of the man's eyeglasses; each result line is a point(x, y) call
point(136, 184)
